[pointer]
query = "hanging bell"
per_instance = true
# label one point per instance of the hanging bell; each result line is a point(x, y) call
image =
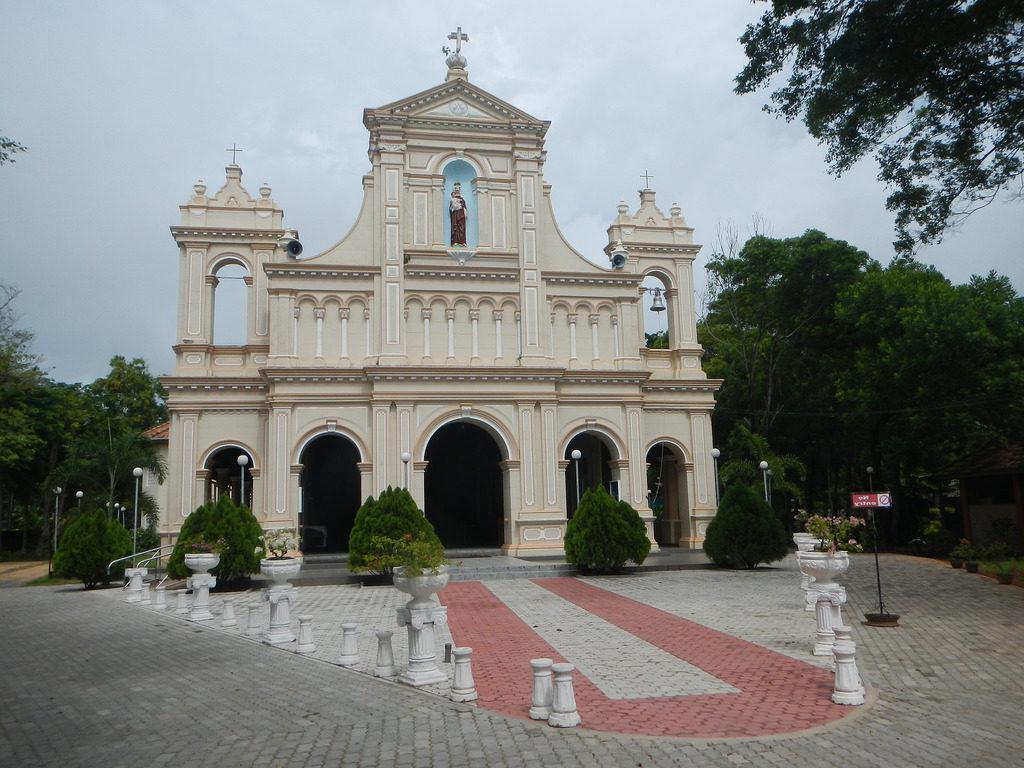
point(658, 303)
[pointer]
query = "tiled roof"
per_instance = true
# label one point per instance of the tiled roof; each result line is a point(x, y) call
point(159, 432)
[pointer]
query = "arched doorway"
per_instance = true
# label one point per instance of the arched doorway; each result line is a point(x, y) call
point(330, 487)
point(667, 494)
point(224, 475)
point(463, 491)
point(592, 469)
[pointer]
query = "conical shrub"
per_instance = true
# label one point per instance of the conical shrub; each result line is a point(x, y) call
point(745, 532)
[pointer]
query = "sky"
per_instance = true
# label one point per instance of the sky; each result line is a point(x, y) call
point(123, 105)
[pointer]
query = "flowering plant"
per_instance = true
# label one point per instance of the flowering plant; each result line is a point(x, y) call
point(280, 541)
point(201, 546)
point(835, 532)
point(415, 556)
point(800, 521)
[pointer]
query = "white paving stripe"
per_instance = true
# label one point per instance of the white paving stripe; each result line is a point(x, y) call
point(621, 665)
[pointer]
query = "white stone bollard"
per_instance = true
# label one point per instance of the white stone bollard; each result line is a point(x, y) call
point(306, 644)
point(543, 692)
point(280, 597)
point(201, 584)
point(845, 634)
point(385, 666)
point(847, 686)
point(182, 608)
point(160, 599)
point(228, 619)
point(463, 687)
point(349, 645)
point(563, 702)
point(134, 584)
point(146, 595)
point(422, 623)
point(824, 638)
point(252, 626)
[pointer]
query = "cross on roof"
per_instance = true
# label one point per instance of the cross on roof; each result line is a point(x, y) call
point(647, 179)
point(458, 37)
point(233, 151)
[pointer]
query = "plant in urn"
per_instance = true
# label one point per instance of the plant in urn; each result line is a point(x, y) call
point(278, 568)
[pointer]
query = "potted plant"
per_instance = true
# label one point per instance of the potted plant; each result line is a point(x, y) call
point(1003, 571)
point(423, 569)
point(961, 552)
point(201, 555)
point(835, 540)
point(280, 566)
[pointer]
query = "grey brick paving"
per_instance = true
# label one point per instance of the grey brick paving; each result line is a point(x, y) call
point(90, 681)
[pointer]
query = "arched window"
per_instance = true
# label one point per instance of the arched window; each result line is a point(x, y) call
point(230, 305)
point(656, 313)
point(462, 173)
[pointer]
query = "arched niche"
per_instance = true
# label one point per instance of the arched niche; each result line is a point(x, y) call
point(657, 312)
point(230, 304)
point(462, 173)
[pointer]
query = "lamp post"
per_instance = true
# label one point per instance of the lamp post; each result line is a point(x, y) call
point(117, 513)
point(576, 455)
point(56, 508)
point(79, 495)
point(770, 489)
point(764, 476)
point(137, 472)
point(715, 453)
point(406, 458)
point(243, 462)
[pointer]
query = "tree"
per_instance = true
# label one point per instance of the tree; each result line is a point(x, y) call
point(934, 88)
point(745, 532)
point(381, 524)
point(89, 543)
point(8, 149)
point(604, 534)
point(130, 392)
point(221, 520)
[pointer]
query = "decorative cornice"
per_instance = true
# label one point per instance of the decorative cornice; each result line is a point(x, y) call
point(706, 385)
point(464, 273)
point(320, 271)
point(588, 278)
point(206, 233)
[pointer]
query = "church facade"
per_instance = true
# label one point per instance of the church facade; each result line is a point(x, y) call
point(452, 343)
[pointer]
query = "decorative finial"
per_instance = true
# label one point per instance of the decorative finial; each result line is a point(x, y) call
point(647, 179)
point(455, 58)
point(623, 208)
point(234, 150)
point(199, 187)
point(265, 190)
point(675, 210)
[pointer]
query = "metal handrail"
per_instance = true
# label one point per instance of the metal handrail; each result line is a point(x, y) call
point(158, 557)
point(132, 557)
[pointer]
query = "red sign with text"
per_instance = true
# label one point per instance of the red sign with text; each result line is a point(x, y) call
point(882, 499)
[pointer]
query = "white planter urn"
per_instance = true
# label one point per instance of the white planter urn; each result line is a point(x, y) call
point(200, 564)
point(823, 567)
point(421, 615)
point(804, 542)
point(280, 595)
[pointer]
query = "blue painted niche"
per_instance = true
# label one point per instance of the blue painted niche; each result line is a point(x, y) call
point(462, 172)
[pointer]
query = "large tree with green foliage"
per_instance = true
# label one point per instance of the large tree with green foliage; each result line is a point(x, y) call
point(934, 88)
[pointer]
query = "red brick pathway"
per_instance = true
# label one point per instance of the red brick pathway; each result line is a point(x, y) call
point(777, 694)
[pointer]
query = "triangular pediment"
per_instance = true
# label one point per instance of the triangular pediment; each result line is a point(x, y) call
point(458, 100)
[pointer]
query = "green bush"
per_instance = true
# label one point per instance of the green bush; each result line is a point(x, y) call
point(381, 527)
point(217, 520)
point(605, 534)
point(89, 543)
point(745, 532)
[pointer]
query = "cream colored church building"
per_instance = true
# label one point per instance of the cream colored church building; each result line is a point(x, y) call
point(469, 373)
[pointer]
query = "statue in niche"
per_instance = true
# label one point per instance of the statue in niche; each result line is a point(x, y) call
point(457, 212)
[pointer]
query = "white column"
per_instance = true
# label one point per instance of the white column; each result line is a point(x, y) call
point(295, 332)
point(572, 337)
point(594, 320)
point(474, 317)
point(318, 314)
point(369, 332)
point(425, 314)
point(617, 334)
point(497, 335)
point(519, 333)
point(343, 314)
point(450, 317)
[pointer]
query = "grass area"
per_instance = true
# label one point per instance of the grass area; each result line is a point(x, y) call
point(45, 581)
point(20, 557)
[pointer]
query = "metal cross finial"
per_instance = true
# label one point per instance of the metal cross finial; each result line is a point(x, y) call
point(647, 179)
point(459, 38)
point(234, 149)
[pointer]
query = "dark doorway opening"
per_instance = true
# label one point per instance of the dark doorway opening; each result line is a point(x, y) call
point(225, 476)
point(463, 487)
point(592, 469)
point(666, 494)
point(330, 493)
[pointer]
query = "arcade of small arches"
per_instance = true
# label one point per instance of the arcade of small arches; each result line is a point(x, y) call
point(466, 485)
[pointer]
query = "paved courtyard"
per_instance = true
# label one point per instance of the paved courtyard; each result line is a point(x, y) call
point(89, 680)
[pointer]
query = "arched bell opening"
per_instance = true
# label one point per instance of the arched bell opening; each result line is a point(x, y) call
point(224, 475)
point(592, 468)
point(464, 486)
point(230, 305)
point(657, 312)
point(329, 485)
point(667, 494)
